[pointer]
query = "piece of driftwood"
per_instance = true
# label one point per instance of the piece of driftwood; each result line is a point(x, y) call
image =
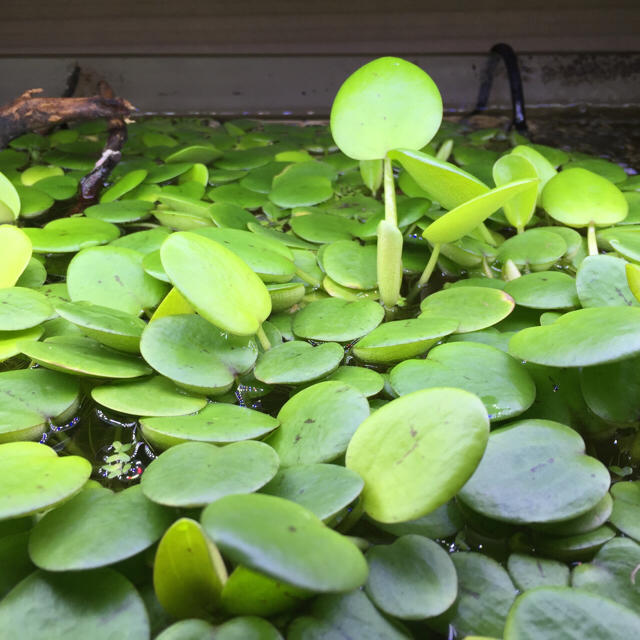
point(31, 112)
point(92, 183)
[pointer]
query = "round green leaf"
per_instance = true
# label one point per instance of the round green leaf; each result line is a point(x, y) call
point(58, 187)
point(217, 423)
point(200, 153)
point(188, 572)
point(610, 573)
point(337, 320)
point(99, 604)
point(529, 572)
point(573, 548)
point(80, 355)
point(577, 338)
point(293, 190)
point(626, 508)
point(351, 264)
point(612, 391)
point(546, 613)
point(324, 489)
point(413, 578)
point(33, 276)
point(317, 423)
point(156, 396)
point(97, 528)
point(417, 451)
point(15, 252)
point(22, 308)
point(220, 286)
point(535, 471)
point(247, 628)
point(535, 248)
point(120, 211)
point(473, 308)
point(30, 398)
point(322, 227)
point(296, 362)
point(401, 339)
point(386, 104)
point(111, 327)
point(367, 381)
point(485, 595)
point(195, 354)
point(503, 384)
point(34, 478)
point(274, 536)
point(577, 197)
point(68, 235)
point(194, 474)
point(350, 614)
point(609, 170)
point(544, 290)
point(33, 202)
point(601, 281)
point(113, 277)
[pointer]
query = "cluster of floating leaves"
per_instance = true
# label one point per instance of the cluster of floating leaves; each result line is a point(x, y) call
point(318, 465)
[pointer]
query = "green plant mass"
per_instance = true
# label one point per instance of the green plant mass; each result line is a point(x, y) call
point(375, 379)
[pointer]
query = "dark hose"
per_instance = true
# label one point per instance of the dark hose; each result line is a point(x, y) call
point(508, 56)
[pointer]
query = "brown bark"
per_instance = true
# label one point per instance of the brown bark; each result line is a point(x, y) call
point(92, 183)
point(30, 112)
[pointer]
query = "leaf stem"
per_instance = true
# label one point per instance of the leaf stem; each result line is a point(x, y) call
point(307, 277)
point(262, 337)
point(431, 265)
point(390, 211)
point(592, 243)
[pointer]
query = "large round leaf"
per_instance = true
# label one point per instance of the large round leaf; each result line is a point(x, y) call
point(113, 277)
point(97, 528)
point(324, 489)
point(195, 354)
point(485, 595)
point(413, 578)
point(601, 281)
point(67, 235)
point(111, 327)
point(337, 320)
point(473, 308)
point(84, 356)
point(101, 605)
point(317, 423)
point(528, 572)
point(386, 104)
point(578, 197)
point(30, 398)
point(275, 536)
point(296, 361)
point(544, 290)
point(502, 383)
point(547, 612)
point(400, 339)
point(34, 478)
point(155, 396)
point(581, 338)
point(220, 286)
point(626, 508)
point(22, 308)
point(417, 451)
point(535, 471)
point(218, 423)
point(197, 473)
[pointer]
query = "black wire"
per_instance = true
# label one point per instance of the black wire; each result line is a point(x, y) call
point(505, 53)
